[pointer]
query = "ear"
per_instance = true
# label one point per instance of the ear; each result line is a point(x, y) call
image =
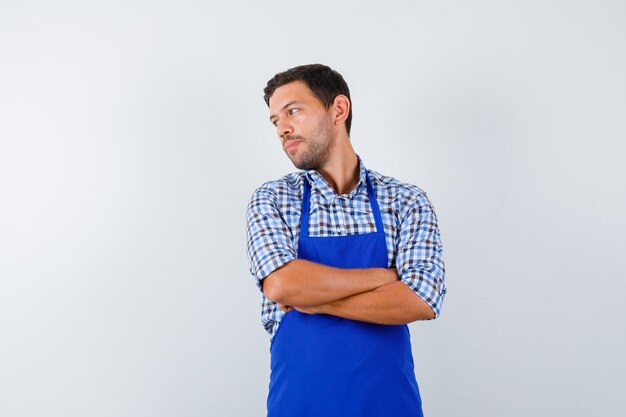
point(341, 109)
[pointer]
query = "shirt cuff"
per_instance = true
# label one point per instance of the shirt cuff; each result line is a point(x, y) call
point(432, 294)
point(270, 265)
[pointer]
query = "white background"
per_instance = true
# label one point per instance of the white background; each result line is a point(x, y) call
point(132, 135)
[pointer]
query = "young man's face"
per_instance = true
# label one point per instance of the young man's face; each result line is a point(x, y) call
point(304, 126)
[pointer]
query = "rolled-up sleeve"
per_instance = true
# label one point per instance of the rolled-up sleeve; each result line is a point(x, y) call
point(270, 241)
point(419, 252)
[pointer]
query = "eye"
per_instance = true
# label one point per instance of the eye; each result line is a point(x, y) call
point(292, 111)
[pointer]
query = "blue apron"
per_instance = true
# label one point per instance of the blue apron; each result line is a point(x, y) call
point(326, 366)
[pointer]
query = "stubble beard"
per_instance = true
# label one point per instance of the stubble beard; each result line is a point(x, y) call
point(319, 145)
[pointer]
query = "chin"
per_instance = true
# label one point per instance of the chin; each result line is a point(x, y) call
point(301, 166)
point(298, 164)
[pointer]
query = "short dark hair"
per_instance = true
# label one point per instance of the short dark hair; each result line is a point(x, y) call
point(324, 82)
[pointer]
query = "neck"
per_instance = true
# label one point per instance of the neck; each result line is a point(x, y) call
point(341, 172)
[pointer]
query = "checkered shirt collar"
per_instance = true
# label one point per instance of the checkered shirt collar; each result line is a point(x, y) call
point(318, 182)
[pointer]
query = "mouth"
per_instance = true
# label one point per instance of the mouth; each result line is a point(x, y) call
point(291, 144)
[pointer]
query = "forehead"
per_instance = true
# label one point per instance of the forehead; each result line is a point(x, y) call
point(293, 91)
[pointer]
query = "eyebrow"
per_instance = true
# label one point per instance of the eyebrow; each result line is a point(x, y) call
point(272, 116)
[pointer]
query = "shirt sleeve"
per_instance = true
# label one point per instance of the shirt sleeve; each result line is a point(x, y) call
point(419, 254)
point(270, 240)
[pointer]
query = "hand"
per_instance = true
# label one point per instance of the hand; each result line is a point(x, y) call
point(307, 310)
point(285, 308)
point(392, 275)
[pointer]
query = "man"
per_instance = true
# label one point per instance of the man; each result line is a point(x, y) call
point(344, 256)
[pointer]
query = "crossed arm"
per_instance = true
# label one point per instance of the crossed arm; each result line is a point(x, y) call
point(373, 295)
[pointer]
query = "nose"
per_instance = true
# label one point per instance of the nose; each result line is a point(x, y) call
point(284, 128)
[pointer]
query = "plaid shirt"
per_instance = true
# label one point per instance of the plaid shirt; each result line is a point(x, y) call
point(413, 243)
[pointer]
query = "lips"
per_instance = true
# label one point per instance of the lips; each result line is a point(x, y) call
point(291, 144)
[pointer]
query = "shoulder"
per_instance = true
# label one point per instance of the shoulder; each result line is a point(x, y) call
point(399, 199)
point(390, 187)
point(283, 189)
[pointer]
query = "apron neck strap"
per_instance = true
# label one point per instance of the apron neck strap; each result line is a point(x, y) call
point(374, 202)
point(304, 217)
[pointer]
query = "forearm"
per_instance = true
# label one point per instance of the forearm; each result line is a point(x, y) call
point(304, 283)
point(394, 303)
